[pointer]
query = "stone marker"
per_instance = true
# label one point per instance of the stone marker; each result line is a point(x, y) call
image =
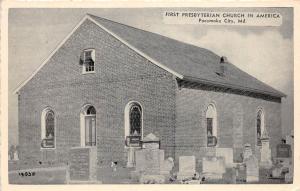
point(277, 171)
point(283, 151)
point(16, 155)
point(213, 167)
point(150, 142)
point(265, 154)
point(227, 153)
point(150, 146)
point(288, 178)
point(148, 160)
point(83, 164)
point(247, 152)
point(167, 166)
point(151, 138)
point(252, 169)
point(187, 167)
point(290, 140)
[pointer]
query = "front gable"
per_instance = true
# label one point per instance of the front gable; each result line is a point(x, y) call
point(195, 64)
point(114, 61)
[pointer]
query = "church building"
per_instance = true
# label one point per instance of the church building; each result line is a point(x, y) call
point(108, 85)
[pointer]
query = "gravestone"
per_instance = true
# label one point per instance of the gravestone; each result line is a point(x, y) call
point(283, 151)
point(148, 160)
point(288, 177)
point(213, 167)
point(83, 164)
point(227, 153)
point(265, 154)
point(151, 142)
point(290, 141)
point(166, 166)
point(16, 155)
point(252, 169)
point(187, 167)
point(282, 166)
point(150, 146)
point(247, 152)
point(277, 171)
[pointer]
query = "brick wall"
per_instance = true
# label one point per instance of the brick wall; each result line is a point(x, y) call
point(120, 76)
point(236, 121)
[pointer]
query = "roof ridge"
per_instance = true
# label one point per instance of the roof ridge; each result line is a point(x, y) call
point(192, 49)
point(195, 46)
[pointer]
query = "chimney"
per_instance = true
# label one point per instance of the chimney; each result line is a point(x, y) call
point(222, 66)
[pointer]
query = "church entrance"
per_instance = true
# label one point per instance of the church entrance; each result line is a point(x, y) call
point(88, 126)
point(90, 130)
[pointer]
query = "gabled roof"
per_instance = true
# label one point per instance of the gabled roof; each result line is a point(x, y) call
point(185, 61)
point(190, 61)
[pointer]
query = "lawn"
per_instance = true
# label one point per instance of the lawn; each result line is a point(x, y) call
point(57, 175)
point(54, 175)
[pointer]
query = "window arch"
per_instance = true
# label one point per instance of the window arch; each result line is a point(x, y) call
point(48, 128)
point(88, 126)
point(133, 119)
point(260, 126)
point(211, 125)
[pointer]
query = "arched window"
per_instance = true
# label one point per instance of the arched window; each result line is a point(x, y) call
point(133, 120)
point(260, 126)
point(88, 126)
point(211, 125)
point(48, 128)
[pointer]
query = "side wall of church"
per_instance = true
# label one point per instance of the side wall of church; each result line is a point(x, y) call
point(236, 122)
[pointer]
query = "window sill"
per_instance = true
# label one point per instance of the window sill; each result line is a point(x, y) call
point(216, 146)
point(128, 147)
point(92, 72)
point(42, 148)
point(82, 147)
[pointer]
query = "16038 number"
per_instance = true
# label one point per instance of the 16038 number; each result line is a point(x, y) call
point(23, 174)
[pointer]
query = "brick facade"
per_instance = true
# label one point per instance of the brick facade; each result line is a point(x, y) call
point(121, 75)
point(175, 115)
point(236, 121)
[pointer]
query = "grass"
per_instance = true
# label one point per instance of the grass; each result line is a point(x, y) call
point(56, 174)
point(41, 176)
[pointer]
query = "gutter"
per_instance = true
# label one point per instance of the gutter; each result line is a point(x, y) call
point(236, 87)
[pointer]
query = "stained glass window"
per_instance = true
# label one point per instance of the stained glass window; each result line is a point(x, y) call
point(258, 127)
point(211, 128)
point(135, 117)
point(49, 133)
point(50, 124)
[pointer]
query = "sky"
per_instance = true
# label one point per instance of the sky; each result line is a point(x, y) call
point(264, 52)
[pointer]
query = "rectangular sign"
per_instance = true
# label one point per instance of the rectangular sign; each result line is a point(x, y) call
point(223, 18)
point(133, 141)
